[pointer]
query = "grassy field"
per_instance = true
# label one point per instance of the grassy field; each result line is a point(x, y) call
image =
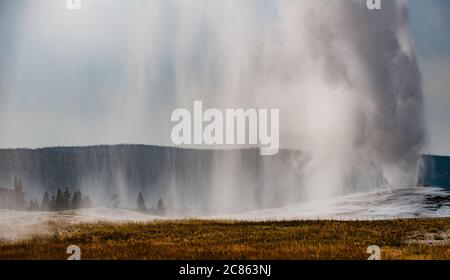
point(398, 239)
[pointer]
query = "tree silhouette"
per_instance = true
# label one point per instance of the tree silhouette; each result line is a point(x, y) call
point(66, 200)
point(53, 203)
point(66, 196)
point(45, 202)
point(141, 203)
point(59, 201)
point(161, 208)
point(76, 200)
point(19, 194)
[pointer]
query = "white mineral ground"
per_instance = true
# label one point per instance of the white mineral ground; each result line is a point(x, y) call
point(380, 205)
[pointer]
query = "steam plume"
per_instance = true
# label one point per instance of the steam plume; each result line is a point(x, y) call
point(345, 79)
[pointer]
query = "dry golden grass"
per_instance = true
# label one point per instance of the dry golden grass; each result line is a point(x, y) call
point(398, 239)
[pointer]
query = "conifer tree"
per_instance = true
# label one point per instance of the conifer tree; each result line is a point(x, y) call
point(20, 202)
point(161, 208)
point(141, 203)
point(59, 201)
point(76, 200)
point(53, 203)
point(45, 202)
point(66, 196)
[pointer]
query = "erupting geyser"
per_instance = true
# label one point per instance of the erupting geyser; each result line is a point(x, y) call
point(344, 77)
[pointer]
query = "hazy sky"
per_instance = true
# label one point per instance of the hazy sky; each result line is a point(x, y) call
point(430, 22)
point(45, 49)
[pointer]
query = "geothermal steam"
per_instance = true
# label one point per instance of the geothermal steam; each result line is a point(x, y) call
point(344, 77)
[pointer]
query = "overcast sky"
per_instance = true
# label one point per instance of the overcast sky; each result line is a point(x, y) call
point(31, 55)
point(430, 22)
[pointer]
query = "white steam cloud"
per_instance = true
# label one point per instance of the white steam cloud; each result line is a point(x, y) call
point(344, 77)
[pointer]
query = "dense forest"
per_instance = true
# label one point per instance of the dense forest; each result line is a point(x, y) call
point(14, 199)
point(177, 176)
point(152, 178)
point(435, 171)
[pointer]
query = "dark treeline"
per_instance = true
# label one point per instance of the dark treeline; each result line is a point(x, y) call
point(161, 208)
point(131, 169)
point(435, 171)
point(60, 201)
point(159, 172)
point(64, 200)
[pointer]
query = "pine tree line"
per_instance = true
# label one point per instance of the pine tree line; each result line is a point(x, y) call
point(161, 208)
point(67, 200)
point(61, 201)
